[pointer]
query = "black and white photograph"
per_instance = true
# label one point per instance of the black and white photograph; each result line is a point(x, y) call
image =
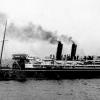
point(49, 50)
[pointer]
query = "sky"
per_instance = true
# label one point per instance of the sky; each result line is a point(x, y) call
point(79, 19)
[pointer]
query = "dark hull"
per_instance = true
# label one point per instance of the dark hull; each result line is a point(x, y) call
point(9, 74)
point(63, 74)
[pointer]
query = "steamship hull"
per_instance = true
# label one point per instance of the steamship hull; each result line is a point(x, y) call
point(62, 74)
point(68, 73)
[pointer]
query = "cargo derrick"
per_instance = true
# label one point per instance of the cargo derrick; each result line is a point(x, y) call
point(19, 61)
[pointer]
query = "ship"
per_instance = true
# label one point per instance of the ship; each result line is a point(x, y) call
point(58, 67)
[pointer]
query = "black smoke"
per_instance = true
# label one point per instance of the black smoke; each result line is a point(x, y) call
point(33, 32)
point(30, 32)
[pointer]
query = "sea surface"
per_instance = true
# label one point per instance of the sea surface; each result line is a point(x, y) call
point(77, 89)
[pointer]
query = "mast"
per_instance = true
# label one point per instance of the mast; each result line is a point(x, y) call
point(3, 44)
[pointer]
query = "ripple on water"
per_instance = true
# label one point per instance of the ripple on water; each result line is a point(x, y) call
point(50, 90)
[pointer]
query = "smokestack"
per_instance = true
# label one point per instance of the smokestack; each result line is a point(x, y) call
point(73, 51)
point(59, 51)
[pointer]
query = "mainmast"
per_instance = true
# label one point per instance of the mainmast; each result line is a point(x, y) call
point(3, 44)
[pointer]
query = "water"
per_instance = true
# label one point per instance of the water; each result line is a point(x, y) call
point(84, 89)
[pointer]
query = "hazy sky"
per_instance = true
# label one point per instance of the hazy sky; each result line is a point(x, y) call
point(77, 18)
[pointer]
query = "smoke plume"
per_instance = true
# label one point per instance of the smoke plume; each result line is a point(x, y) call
point(33, 32)
point(30, 32)
point(66, 39)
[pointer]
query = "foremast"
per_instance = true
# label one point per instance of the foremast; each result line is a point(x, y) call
point(3, 45)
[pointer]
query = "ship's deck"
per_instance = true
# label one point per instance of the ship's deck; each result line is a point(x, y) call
point(58, 68)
